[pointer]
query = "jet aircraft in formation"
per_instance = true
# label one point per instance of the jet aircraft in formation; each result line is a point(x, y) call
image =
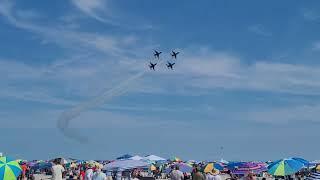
point(157, 54)
point(151, 65)
point(174, 54)
point(169, 65)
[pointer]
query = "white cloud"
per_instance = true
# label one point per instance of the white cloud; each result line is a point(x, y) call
point(259, 29)
point(212, 70)
point(92, 8)
point(86, 74)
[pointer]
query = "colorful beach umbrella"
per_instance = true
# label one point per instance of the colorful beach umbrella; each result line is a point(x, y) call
point(183, 167)
point(9, 169)
point(209, 167)
point(153, 167)
point(248, 167)
point(176, 159)
point(285, 167)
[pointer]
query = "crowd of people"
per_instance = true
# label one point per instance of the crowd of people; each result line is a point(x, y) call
point(95, 171)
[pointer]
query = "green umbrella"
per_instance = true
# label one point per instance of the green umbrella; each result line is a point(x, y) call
point(9, 169)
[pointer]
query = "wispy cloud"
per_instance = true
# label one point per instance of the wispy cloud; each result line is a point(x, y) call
point(92, 8)
point(259, 30)
point(310, 15)
point(213, 70)
point(102, 11)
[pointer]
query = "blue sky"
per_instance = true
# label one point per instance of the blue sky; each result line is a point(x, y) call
point(247, 78)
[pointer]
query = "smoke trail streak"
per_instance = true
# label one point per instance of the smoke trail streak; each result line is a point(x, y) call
point(67, 116)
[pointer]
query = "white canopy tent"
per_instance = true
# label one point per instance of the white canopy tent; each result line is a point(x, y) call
point(126, 164)
point(136, 157)
point(154, 158)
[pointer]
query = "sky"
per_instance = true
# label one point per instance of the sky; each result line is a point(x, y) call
point(245, 86)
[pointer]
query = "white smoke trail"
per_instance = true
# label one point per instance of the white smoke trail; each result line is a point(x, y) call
point(67, 116)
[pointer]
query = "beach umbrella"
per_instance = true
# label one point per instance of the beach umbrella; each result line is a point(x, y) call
point(31, 163)
point(176, 159)
point(305, 162)
point(9, 169)
point(285, 167)
point(233, 165)
point(153, 167)
point(249, 167)
point(209, 167)
point(183, 167)
point(80, 161)
point(224, 161)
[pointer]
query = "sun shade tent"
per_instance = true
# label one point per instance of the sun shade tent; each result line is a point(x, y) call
point(136, 157)
point(126, 164)
point(154, 158)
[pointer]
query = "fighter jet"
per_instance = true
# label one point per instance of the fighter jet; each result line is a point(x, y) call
point(157, 54)
point(174, 54)
point(151, 66)
point(170, 65)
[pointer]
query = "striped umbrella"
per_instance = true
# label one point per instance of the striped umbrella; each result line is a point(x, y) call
point(249, 167)
point(285, 167)
point(9, 169)
point(314, 176)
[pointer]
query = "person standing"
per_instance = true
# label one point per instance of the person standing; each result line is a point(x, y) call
point(89, 173)
point(216, 174)
point(176, 174)
point(57, 170)
point(197, 175)
point(98, 174)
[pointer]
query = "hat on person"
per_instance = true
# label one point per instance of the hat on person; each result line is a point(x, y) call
point(214, 171)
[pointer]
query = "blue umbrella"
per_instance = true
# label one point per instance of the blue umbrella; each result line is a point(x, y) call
point(233, 165)
point(42, 165)
point(183, 167)
point(305, 162)
point(285, 167)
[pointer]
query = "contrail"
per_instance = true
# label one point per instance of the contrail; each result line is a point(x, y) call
point(67, 116)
